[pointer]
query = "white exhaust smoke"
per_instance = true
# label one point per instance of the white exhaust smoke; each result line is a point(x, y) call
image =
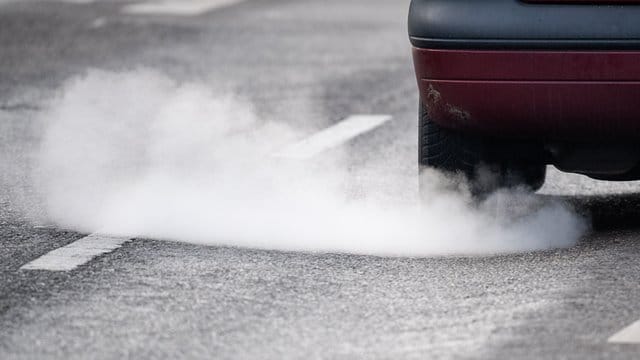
point(137, 154)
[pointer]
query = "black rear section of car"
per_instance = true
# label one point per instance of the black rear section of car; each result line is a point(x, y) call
point(505, 24)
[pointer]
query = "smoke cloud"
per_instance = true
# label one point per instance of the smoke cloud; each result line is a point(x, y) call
point(138, 154)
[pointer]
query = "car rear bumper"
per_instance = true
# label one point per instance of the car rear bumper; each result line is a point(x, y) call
point(515, 24)
point(561, 95)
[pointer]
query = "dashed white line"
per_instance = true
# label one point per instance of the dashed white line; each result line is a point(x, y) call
point(77, 253)
point(59, 1)
point(98, 23)
point(333, 136)
point(86, 249)
point(628, 335)
point(176, 7)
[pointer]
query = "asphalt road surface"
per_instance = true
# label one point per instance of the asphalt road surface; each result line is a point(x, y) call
point(324, 60)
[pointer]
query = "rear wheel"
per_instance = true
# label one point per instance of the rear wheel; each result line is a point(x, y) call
point(486, 166)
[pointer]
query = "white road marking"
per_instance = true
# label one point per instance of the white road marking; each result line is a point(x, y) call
point(177, 7)
point(333, 136)
point(86, 249)
point(62, 1)
point(98, 23)
point(628, 335)
point(77, 253)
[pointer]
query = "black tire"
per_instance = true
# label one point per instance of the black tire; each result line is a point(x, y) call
point(470, 155)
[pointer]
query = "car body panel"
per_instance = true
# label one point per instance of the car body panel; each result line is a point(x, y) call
point(555, 95)
point(585, 111)
point(527, 65)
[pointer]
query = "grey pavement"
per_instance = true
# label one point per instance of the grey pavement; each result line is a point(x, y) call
point(324, 61)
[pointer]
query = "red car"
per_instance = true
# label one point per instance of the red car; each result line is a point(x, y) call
point(514, 85)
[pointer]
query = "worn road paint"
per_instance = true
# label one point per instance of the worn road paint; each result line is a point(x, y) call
point(77, 253)
point(333, 136)
point(628, 335)
point(177, 7)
